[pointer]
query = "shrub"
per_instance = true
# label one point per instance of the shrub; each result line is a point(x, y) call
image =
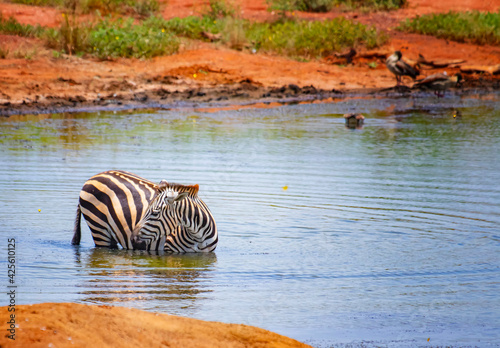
point(71, 37)
point(305, 39)
point(476, 27)
point(120, 38)
point(313, 39)
point(283, 6)
point(369, 5)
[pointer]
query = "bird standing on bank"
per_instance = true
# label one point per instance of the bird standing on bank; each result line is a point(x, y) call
point(439, 83)
point(400, 68)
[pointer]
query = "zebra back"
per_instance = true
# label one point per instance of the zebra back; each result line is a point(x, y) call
point(113, 202)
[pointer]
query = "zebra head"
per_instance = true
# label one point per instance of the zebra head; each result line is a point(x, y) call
point(162, 217)
point(176, 209)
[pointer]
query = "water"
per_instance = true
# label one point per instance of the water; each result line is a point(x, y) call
point(382, 236)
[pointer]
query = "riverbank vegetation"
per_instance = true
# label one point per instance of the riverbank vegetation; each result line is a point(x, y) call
point(284, 6)
point(111, 37)
point(482, 28)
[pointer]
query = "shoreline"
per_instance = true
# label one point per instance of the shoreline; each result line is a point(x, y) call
point(236, 96)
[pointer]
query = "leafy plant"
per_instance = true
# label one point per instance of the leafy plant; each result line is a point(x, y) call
point(121, 38)
point(474, 26)
point(313, 39)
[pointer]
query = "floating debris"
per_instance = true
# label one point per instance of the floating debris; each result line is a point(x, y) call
point(354, 121)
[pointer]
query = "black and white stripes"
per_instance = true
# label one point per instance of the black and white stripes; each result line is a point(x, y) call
point(123, 208)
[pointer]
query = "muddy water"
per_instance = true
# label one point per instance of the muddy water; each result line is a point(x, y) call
point(382, 236)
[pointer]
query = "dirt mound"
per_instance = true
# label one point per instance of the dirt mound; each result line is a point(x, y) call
point(77, 325)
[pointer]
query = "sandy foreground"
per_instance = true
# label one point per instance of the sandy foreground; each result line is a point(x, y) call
point(208, 73)
point(78, 325)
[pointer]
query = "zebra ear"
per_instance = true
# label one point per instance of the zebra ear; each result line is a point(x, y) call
point(181, 196)
point(162, 185)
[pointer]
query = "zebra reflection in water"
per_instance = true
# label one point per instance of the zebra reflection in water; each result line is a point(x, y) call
point(124, 209)
point(149, 280)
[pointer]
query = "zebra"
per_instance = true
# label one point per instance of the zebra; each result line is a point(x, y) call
point(124, 209)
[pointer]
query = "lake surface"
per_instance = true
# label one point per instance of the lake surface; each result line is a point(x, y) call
point(386, 236)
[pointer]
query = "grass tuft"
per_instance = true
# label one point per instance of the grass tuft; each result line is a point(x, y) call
point(140, 8)
point(51, 3)
point(12, 27)
point(481, 28)
point(283, 6)
point(313, 39)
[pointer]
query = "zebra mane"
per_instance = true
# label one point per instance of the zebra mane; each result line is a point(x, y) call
point(192, 190)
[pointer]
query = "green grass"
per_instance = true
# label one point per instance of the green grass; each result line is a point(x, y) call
point(155, 36)
point(219, 9)
point(12, 27)
point(51, 3)
point(140, 8)
point(283, 6)
point(475, 27)
point(113, 38)
point(371, 5)
point(313, 39)
point(122, 38)
point(298, 39)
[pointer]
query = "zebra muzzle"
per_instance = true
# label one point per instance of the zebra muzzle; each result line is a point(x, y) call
point(139, 243)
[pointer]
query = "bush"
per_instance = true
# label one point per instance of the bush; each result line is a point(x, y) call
point(313, 39)
point(71, 37)
point(283, 6)
point(368, 5)
point(476, 27)
point(306, 39)
point(113, 39)
point(121, 38)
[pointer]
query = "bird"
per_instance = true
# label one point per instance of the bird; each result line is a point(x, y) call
point(439, 82)
point(354, 120)
point(400, 68)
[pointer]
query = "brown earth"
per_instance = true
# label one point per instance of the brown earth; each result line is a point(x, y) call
point(208, 72)
point(78, 325)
